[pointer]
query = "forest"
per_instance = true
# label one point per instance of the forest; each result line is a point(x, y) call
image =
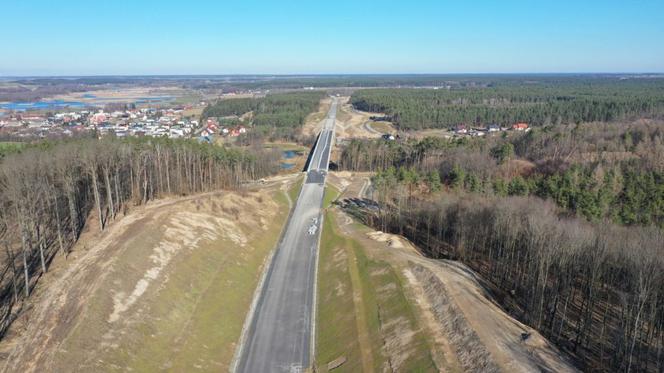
point(537, 103)
point(594, 289)
point(598, 171)
point(50, 191)
point(275, 116)
point(564, 224)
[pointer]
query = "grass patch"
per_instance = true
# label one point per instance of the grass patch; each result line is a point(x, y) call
point(331, 194)
point(295, 189)
point(382, 316)
point(336, 324)
point(286, 146)
point(7, 147)
point(383, 291)
point(383, 127)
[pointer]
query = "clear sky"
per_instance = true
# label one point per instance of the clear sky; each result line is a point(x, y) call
point(93, 37)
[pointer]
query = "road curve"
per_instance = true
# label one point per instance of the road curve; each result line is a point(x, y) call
point(278, 335)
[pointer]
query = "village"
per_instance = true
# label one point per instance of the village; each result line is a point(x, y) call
point(175, 122)
point(463, 130)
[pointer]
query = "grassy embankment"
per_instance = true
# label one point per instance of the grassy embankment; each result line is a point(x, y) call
point(203, 332)
point(194, 320)
point(361, 308)
point(295, 189)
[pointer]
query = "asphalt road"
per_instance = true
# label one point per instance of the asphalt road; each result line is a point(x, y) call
point(279, 336)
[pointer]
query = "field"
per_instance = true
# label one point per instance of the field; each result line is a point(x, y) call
point(166, 287)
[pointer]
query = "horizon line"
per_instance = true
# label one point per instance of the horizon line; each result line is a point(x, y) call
point(340, 74)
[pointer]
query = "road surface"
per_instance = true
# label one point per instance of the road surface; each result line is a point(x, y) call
point(279, 336)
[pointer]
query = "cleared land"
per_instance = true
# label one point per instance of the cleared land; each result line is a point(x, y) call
point(411, 313)
point(165, 288)
point(352, 123)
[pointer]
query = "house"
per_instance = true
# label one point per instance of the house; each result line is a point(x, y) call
point(493, 128)
point(98, 118)
point(461, 129)
point(520, 127)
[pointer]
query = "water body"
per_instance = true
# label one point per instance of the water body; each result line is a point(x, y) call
point(287, 166)
point(46, 104)
point(61, 104)
point(290, 154)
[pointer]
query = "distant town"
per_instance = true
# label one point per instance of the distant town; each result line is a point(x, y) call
point(163, 120)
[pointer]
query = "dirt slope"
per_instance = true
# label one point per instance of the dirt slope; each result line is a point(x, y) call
point(166, 287)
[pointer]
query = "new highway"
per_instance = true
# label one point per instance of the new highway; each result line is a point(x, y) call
point(279, 336)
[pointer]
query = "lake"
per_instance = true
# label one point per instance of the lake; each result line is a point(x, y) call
point(46, 104)
point(61, 104)
point(290, 154)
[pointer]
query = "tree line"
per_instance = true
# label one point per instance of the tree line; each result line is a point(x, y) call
point(50, 191)
point(538, 104)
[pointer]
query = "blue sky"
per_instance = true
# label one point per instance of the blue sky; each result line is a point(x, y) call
point(50, 37)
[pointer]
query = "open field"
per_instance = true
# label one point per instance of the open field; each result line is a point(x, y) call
point(165, 288)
